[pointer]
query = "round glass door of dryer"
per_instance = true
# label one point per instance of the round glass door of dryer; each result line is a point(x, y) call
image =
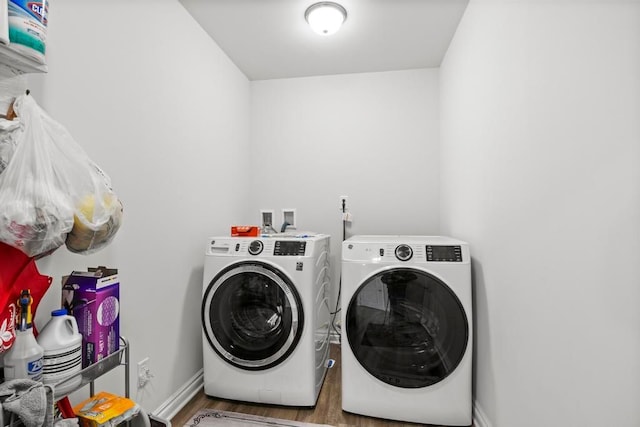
point(407, 328)
point(252, 315)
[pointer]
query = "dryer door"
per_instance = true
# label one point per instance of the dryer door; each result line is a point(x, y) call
point(407, 328)
point(252, 315)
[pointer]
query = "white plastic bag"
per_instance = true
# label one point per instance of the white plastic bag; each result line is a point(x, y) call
point(51, 193)
point(12, 85)
point(8, 132)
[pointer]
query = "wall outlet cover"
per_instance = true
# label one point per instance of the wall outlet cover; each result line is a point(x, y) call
point(267, 217)
point(289, 216)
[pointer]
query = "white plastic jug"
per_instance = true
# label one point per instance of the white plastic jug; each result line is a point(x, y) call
point(24, 359)
point(62, 346)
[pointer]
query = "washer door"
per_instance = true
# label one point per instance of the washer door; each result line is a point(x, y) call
point(407, 328)
point(252, 315)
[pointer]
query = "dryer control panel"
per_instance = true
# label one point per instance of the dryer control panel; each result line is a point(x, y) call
point(405, 250)
point(437, 253)
point(289, 248)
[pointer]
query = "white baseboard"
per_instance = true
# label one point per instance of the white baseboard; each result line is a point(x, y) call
point(479, 417)
point(180, 398)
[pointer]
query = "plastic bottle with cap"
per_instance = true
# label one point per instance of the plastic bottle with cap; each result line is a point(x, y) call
point(25, 357)
point(62, 346)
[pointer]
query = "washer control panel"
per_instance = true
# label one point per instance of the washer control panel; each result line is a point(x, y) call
point(289, 248)
point(437, 253)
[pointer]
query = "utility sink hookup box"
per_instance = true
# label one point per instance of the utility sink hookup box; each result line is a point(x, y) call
point(93, 298)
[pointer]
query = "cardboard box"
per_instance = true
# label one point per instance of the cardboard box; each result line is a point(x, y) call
point(93, 298)
point(245, 231)
point(105, 409)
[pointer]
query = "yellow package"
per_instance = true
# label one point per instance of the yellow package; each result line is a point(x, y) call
point(104, 409)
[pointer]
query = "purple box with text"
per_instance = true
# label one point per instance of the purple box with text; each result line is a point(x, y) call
point(93, 298)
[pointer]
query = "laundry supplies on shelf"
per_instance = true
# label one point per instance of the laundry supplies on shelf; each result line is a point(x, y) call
point(25, 357)
point(62, 345)
point(93, 298)
point(105, 410)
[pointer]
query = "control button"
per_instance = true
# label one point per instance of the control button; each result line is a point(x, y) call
point(256, 247)
point(404, 252)
point(237, 247)
point(381, 252)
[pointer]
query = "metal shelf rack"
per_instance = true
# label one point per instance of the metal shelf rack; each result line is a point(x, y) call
point(92, 372)
point(19, 62)
point(88, 375)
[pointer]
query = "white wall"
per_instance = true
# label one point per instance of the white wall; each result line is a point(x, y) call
point(537, 169)
point(540, 150)
point(371, 136)
point(161, 109)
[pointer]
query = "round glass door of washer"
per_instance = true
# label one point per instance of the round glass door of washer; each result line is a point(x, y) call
point(252, 315)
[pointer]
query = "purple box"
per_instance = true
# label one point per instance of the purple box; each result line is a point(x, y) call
point(93, 298)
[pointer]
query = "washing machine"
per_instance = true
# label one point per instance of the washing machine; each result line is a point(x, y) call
point(266, 318)
point(407, 329)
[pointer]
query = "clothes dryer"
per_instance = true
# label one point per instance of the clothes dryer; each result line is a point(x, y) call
point(407, 329)
point(265, 318)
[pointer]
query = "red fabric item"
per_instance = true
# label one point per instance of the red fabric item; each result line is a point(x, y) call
point(12, 261)
point(65, 408)
point(17, 272)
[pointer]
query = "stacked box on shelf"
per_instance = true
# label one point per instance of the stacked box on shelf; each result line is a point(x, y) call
point(105, 409)
point(93, 298)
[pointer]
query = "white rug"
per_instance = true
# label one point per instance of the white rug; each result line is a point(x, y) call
point(215, 418)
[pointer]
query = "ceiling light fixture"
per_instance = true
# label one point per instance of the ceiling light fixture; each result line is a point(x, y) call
point(325, 17)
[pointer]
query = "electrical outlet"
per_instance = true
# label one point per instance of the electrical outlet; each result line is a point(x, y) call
point(144, 372)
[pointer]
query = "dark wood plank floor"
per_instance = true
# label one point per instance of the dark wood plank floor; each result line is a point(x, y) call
point(328, 410)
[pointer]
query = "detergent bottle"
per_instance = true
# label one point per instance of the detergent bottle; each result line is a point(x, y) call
point(25, 357)
point(62, 345)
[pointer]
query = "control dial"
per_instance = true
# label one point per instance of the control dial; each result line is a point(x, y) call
point(404, 252)
point(256, 247)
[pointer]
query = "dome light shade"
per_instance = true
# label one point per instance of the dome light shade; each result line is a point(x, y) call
point(325, 17)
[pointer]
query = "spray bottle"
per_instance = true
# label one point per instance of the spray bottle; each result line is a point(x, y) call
point(25, 357)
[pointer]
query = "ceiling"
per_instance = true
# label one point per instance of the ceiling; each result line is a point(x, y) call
point(270, 39)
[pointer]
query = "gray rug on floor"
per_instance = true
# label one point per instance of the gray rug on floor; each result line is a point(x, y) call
point(215, 418)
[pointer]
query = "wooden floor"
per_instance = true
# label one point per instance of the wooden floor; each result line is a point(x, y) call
point(328, 410)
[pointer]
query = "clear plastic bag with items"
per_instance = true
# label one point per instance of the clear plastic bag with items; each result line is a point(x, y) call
point(51, 192)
